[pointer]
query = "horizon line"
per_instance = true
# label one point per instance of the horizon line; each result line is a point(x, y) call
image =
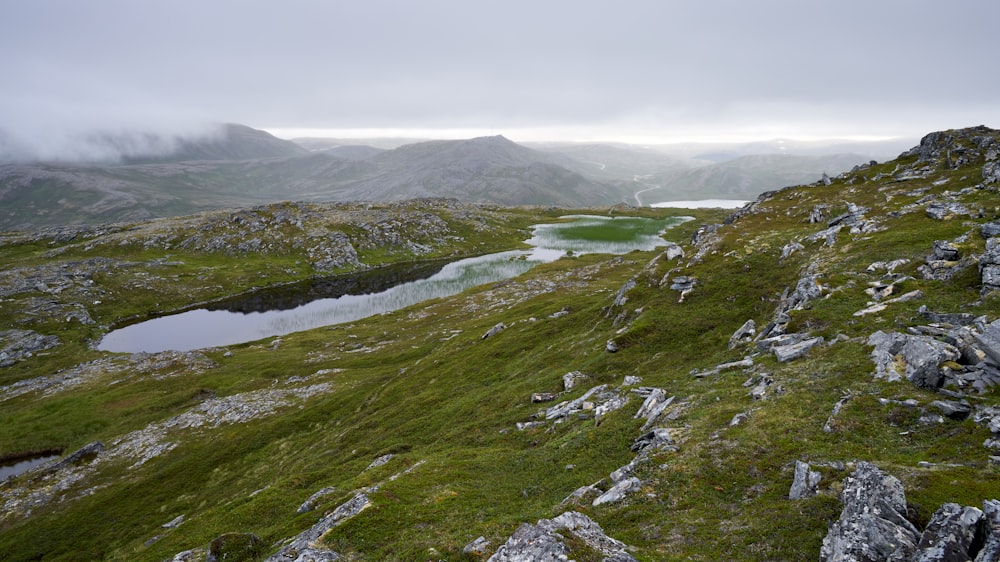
point(561, 135)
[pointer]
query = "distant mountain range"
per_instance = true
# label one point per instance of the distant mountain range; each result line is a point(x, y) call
point(239, 166)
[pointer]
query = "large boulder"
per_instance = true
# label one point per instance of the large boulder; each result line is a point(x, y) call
point(872, 526)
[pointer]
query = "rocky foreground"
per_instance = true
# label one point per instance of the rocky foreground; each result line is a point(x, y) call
point(816, 376)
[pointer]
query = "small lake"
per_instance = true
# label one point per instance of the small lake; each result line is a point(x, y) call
point(286, 309)
point(13, 468)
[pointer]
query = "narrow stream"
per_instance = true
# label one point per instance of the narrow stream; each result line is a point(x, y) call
point(275, 312)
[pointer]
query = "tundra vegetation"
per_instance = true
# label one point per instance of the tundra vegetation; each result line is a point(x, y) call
point(626, 395)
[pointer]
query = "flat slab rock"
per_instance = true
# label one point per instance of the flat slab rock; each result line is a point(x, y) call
point(544, 542)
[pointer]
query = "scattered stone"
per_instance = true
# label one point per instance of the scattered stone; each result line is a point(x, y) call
point(916, 358)
point(789, 249)
point(235, 546)
point(989, 266)
point(744, 363)
point(950, 535)
point(380, 461)
point(685, 284)
point(656, 440)
point(785, 353)
point(744, 334)
point(819, 213)
point(990, 229)
point(953, 409)
point(763, 383)
point(572, 378)
point(739, 419)
point(888, 267)
point(18, 345)
point(611, 347)
point(853, 216)
point(88, 451)
point(609, 404)
point(805, 482)
point(618, 492)
point(946, 210)
point(828, 235)
point(477, 548)
point(545, 542)
point(538, 397)
point(829, 427)
point(673, 251)
point(494, 330)
point(873, 524)
point(581, 496)
point(599, 399)
point(991, 519)
point(879, 307)
point(305, 547)
point(193, 555)
point(653, 407)
point(173, 523)
point(621, 297)
point(991, 172)
point(631, 380)
point(944, 250)
point(310, 504)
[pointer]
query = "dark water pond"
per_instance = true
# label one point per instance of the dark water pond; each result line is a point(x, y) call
point(284, 310)
point(21, 465)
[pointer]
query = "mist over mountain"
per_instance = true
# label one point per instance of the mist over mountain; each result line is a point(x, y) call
point(137, 146)
point(744, 177)
point(155, 175)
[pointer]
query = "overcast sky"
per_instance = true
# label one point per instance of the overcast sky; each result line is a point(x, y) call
point(633, 70)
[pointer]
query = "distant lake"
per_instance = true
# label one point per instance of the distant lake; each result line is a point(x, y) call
point(703, 204)
point(283, 310)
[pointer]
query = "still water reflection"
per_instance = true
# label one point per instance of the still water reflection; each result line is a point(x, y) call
point(273, 313)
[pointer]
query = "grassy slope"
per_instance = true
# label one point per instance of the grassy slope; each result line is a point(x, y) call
point(421, 383)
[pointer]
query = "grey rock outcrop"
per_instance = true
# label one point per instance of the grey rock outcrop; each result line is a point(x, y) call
point(744, 334)
point(18, 345)
point(544, 541)
point(572, 378)
point(310, 504)
point(989, 266)
point(790, 248)
point(673, 252)
point(618, 492)
point(873, 525)
point(785, 353)
point(496, 329)
point(805, 482)
point(915, 358)
point(947, 210)
point(654, 405)
point(950, 535)
point(476, 548)
point(807, 289)
point(304, 548)
point(991, 523)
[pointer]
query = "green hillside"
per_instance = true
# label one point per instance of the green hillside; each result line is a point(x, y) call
point(410, 435)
